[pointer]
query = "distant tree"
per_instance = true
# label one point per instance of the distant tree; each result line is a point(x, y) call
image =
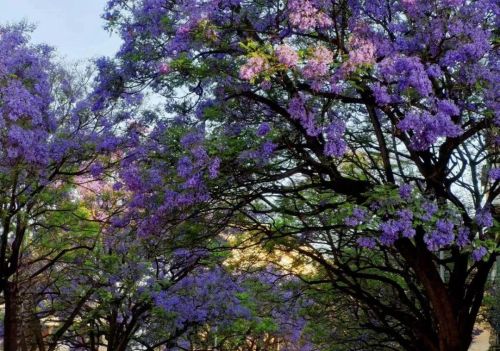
point(49, 135)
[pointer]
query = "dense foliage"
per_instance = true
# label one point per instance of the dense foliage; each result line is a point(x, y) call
point(79, 268)
point(351, 146)
point(360, 134)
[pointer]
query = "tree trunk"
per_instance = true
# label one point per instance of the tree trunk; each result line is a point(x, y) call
point(443, 339)
point(452, 343)
point(32, 333)
point(11, 317)
point(452, 334)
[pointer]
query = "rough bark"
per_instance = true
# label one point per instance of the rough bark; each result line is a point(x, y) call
point(11, 317)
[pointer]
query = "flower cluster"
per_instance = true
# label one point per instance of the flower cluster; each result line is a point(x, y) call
point(26, 119)
point(298, 111)
point(318, 65)
point(429, 209)
point(287, 56)
point(362, 46)
point(382, 97)
point(335, 145)
point(484, 218)
point(405, 191)
point(442, 236)
point(263, 129)
point(358, 216)
point(202, 297)
point(409, 72)
point(479, 253)
point(394, 228)
point(427, 128)
point(164, 68)
point(253, 67)
point(494, 174)
point(304, 15)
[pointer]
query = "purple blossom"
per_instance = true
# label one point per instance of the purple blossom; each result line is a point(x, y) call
point(132, 178)
point(268, 147)
point(213, 169)
point(192, 138)
point(494, 174)
point(358, 216)
point(448, 108)
point(184, 167)
point(390, 231)
point(200, 155)
point(202, 297)
point(193, 182)
point(298, 110)
point(434, 71)
point(109, 144)
point(479, 253)
point(405, 223)
point(119, 222)
point(266, 85)
point(335, 145)
point(430, 209)
point(442, 236)
point(428, 128)
point(409, 72)
point(27, 117)
point(96, 169)
point(463, 237)
point(381, 95)
point(369, 243)
point(484, 218)
point(393, 228)
point(405, 191)
point(164, 68)
point(263, 129)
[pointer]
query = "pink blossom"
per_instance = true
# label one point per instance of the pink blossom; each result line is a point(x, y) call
point(304, 15)
point(363, 51)
point(164, 68)
point(254, 66)
point(287, 56)
point(319, 63)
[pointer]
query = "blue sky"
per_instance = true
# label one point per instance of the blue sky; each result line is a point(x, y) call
point(73, 27)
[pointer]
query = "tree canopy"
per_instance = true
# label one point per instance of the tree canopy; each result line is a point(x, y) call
point(357, 139)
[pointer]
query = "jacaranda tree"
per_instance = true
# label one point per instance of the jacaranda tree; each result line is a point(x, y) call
point(50, 135)
point(161, 276)
point(360, 134)
point(89, 257)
